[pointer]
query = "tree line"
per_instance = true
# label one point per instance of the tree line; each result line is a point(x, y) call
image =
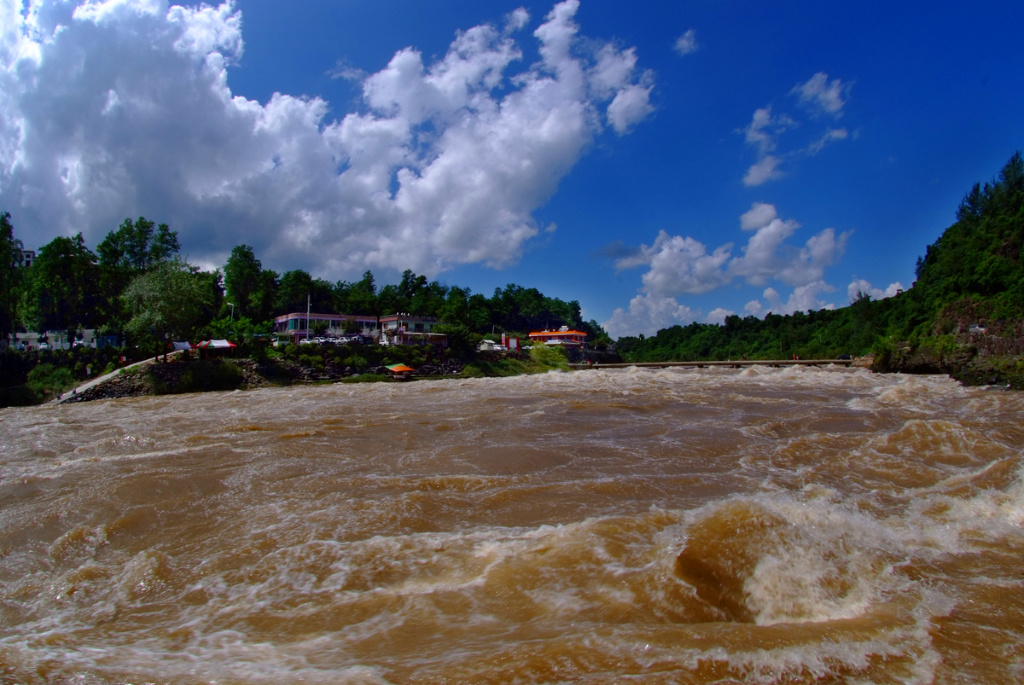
point(136, 283)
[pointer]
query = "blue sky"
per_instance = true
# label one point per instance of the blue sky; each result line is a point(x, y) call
point(661, 163)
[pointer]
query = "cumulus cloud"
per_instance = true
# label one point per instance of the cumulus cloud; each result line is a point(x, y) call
point(679, 265)
point(760, 214)
point(683, 265)
point(803, 298)
point(763, 170)
point(718, 315)
point(686, 43)
point(647, 314)
point(819, 96)
point(861, 287)
point(754, 308)
point(115, 108)
point(516, 20)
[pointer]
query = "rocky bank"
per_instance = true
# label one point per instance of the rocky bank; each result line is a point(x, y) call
point(180, 376)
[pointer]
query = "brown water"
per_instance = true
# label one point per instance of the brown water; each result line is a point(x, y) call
point(676, 526)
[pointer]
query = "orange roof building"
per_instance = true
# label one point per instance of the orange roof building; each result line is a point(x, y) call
point(563, 336)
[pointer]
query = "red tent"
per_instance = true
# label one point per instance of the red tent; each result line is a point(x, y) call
point(216, 345)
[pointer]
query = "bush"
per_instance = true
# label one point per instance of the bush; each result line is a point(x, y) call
point(355, 361)
point(550, 357)
point(47, 380)
point(202, 376)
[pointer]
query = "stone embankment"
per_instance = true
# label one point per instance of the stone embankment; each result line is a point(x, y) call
point(977, 355)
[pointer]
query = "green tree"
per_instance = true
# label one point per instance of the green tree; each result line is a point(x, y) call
point(262, 301)
point(243, 280)
point(165, 303)
point(362, 296)
point(138, 245)
point(64, 288)
point(11, 261)
point(295, 287)
point(128, 251)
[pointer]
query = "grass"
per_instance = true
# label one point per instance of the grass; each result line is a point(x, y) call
point(540, 360)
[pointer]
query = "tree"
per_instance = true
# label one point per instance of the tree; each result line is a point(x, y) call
point(166, 302)
point(64, 288)
point(243, 279)
point(11, 261)
point(138, 245)
point(295, 287)
point(261, 302)
point(128, 251)
point(362, 296)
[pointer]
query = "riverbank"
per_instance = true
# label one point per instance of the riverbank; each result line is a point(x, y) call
point(960, 363)
point(185, 376)
point(179, 376)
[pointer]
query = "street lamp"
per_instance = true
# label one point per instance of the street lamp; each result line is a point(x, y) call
point(232, 305)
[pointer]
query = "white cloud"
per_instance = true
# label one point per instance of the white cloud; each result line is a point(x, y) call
point(763, 129)
point(613, 76)
point(821, 95)
point(803, 298)
point(683, 265)
point(762, 133)
point(122, 108)
point(767, 126)
point(830, 136)
point(860, 286)
point(647, 314)
point(718, 315)
point(516, 20)
point(686, 43)
point(763, 258)
point(764, 170)
point(680, 265)
point(630, 106)
point(760, 214)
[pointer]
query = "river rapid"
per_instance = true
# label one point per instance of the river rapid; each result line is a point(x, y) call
point(785, 525)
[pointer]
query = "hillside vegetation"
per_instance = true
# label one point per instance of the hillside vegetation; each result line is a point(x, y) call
point(964, 315)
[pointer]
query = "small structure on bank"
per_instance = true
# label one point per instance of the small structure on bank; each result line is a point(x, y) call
point(563, 337)
point(211, 349)
point(400, 371)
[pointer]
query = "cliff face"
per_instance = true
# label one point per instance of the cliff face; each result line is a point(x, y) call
point(990, 355)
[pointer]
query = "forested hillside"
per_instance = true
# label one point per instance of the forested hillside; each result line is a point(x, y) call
point(971, 276)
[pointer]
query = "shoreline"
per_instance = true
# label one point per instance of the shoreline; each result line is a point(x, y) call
point(154, 377)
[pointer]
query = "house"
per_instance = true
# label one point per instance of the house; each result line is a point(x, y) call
point(409, 329)
point(563, 337)
point(299, 325)
point(490, 346)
